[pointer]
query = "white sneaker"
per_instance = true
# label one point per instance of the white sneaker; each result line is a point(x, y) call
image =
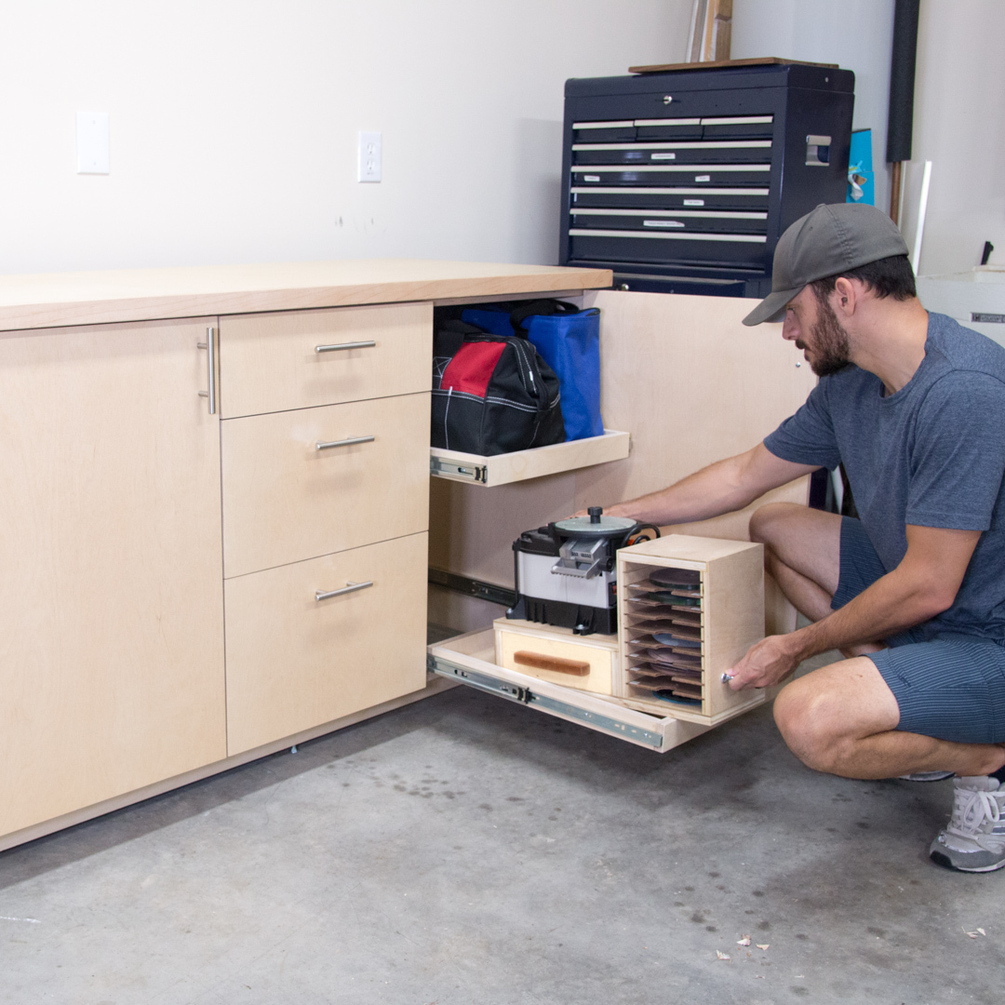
point(974, 840)
point(927, 776)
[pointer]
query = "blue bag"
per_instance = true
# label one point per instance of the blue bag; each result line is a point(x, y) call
point(568, 340)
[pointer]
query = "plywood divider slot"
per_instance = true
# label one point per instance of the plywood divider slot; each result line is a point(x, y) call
point(661, 668)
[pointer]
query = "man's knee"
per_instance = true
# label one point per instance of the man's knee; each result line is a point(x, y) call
point(808, 721)
point(807, 541)
point(768, 522)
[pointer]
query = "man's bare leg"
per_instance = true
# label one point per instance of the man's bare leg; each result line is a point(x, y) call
point(802, 551)
point(843, 719)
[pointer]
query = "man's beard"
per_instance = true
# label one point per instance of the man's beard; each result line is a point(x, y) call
point(830, 342)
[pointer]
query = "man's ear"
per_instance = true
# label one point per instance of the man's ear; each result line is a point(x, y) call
point(845, 297)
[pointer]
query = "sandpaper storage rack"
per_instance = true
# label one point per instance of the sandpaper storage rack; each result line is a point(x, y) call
point(682, 181)
point(688, 609)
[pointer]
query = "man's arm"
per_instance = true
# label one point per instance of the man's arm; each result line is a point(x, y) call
point(722, 487)
point(924, 584)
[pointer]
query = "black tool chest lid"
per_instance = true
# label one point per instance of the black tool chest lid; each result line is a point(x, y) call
point(815, 77)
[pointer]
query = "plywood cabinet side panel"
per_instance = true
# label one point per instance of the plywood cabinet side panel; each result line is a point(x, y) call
point(472, 529)
point(270, 362)
point(111, 656)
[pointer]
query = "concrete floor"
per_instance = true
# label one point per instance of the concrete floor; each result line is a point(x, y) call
point(468, 850)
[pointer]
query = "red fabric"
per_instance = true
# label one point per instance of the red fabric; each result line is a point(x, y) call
point(471, 368)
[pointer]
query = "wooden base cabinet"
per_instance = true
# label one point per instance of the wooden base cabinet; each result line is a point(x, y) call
point(138, 521)
point(265, 462)
point(110, 550)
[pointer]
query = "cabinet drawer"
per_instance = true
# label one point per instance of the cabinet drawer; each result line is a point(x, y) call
point(271, 362)
point(318, 480)
point(294, 661)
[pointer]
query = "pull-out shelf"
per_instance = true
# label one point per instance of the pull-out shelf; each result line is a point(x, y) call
point(470, 659)
point(688, 608)
point(520, 465)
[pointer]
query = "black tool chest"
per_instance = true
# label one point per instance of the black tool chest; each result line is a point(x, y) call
point(683, 181)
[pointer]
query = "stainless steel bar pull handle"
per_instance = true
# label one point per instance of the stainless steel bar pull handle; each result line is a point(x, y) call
point(351, 441)
point(339, 346)
point(210, 346)
point(348, 588)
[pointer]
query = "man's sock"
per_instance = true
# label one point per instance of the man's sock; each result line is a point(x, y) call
point(999, 774)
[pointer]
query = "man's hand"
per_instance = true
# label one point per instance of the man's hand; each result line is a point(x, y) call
point(767, 662)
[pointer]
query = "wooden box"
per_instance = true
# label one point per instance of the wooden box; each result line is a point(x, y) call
point(688, 609)
point(586, 662)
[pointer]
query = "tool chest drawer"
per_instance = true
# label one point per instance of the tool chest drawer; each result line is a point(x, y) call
point(677, 152)
point(708, 173)
point(313, 481)
point(298, 359)
point(679, 220)
point(314, 641)
point(680, 197)
point(720, 249)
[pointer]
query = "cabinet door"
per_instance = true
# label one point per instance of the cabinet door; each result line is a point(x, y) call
point(111, 653)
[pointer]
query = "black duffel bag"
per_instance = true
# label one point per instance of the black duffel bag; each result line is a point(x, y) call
point(491, 394)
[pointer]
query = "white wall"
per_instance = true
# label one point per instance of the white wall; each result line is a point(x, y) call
point(234, 122)
point(959, 109)
point(959, 125)
point(855, 34)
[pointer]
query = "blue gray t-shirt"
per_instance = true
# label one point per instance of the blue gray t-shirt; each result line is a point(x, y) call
point(933, 454)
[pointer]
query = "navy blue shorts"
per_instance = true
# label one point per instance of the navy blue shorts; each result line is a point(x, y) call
point(951, 687)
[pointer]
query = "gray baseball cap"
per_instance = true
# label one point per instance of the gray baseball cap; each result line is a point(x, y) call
point(826, 242)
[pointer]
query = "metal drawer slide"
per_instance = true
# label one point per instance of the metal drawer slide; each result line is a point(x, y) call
point(468, 659)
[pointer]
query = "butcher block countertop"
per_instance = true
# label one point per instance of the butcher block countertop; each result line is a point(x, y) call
point(84, 298)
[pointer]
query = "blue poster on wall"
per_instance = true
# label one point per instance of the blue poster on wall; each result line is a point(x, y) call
point(860, 177)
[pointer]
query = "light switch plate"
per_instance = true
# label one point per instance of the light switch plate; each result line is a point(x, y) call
point(92, 143)
point(369, 156)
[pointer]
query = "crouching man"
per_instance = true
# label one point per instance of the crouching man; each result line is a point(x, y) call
point(913, 591)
